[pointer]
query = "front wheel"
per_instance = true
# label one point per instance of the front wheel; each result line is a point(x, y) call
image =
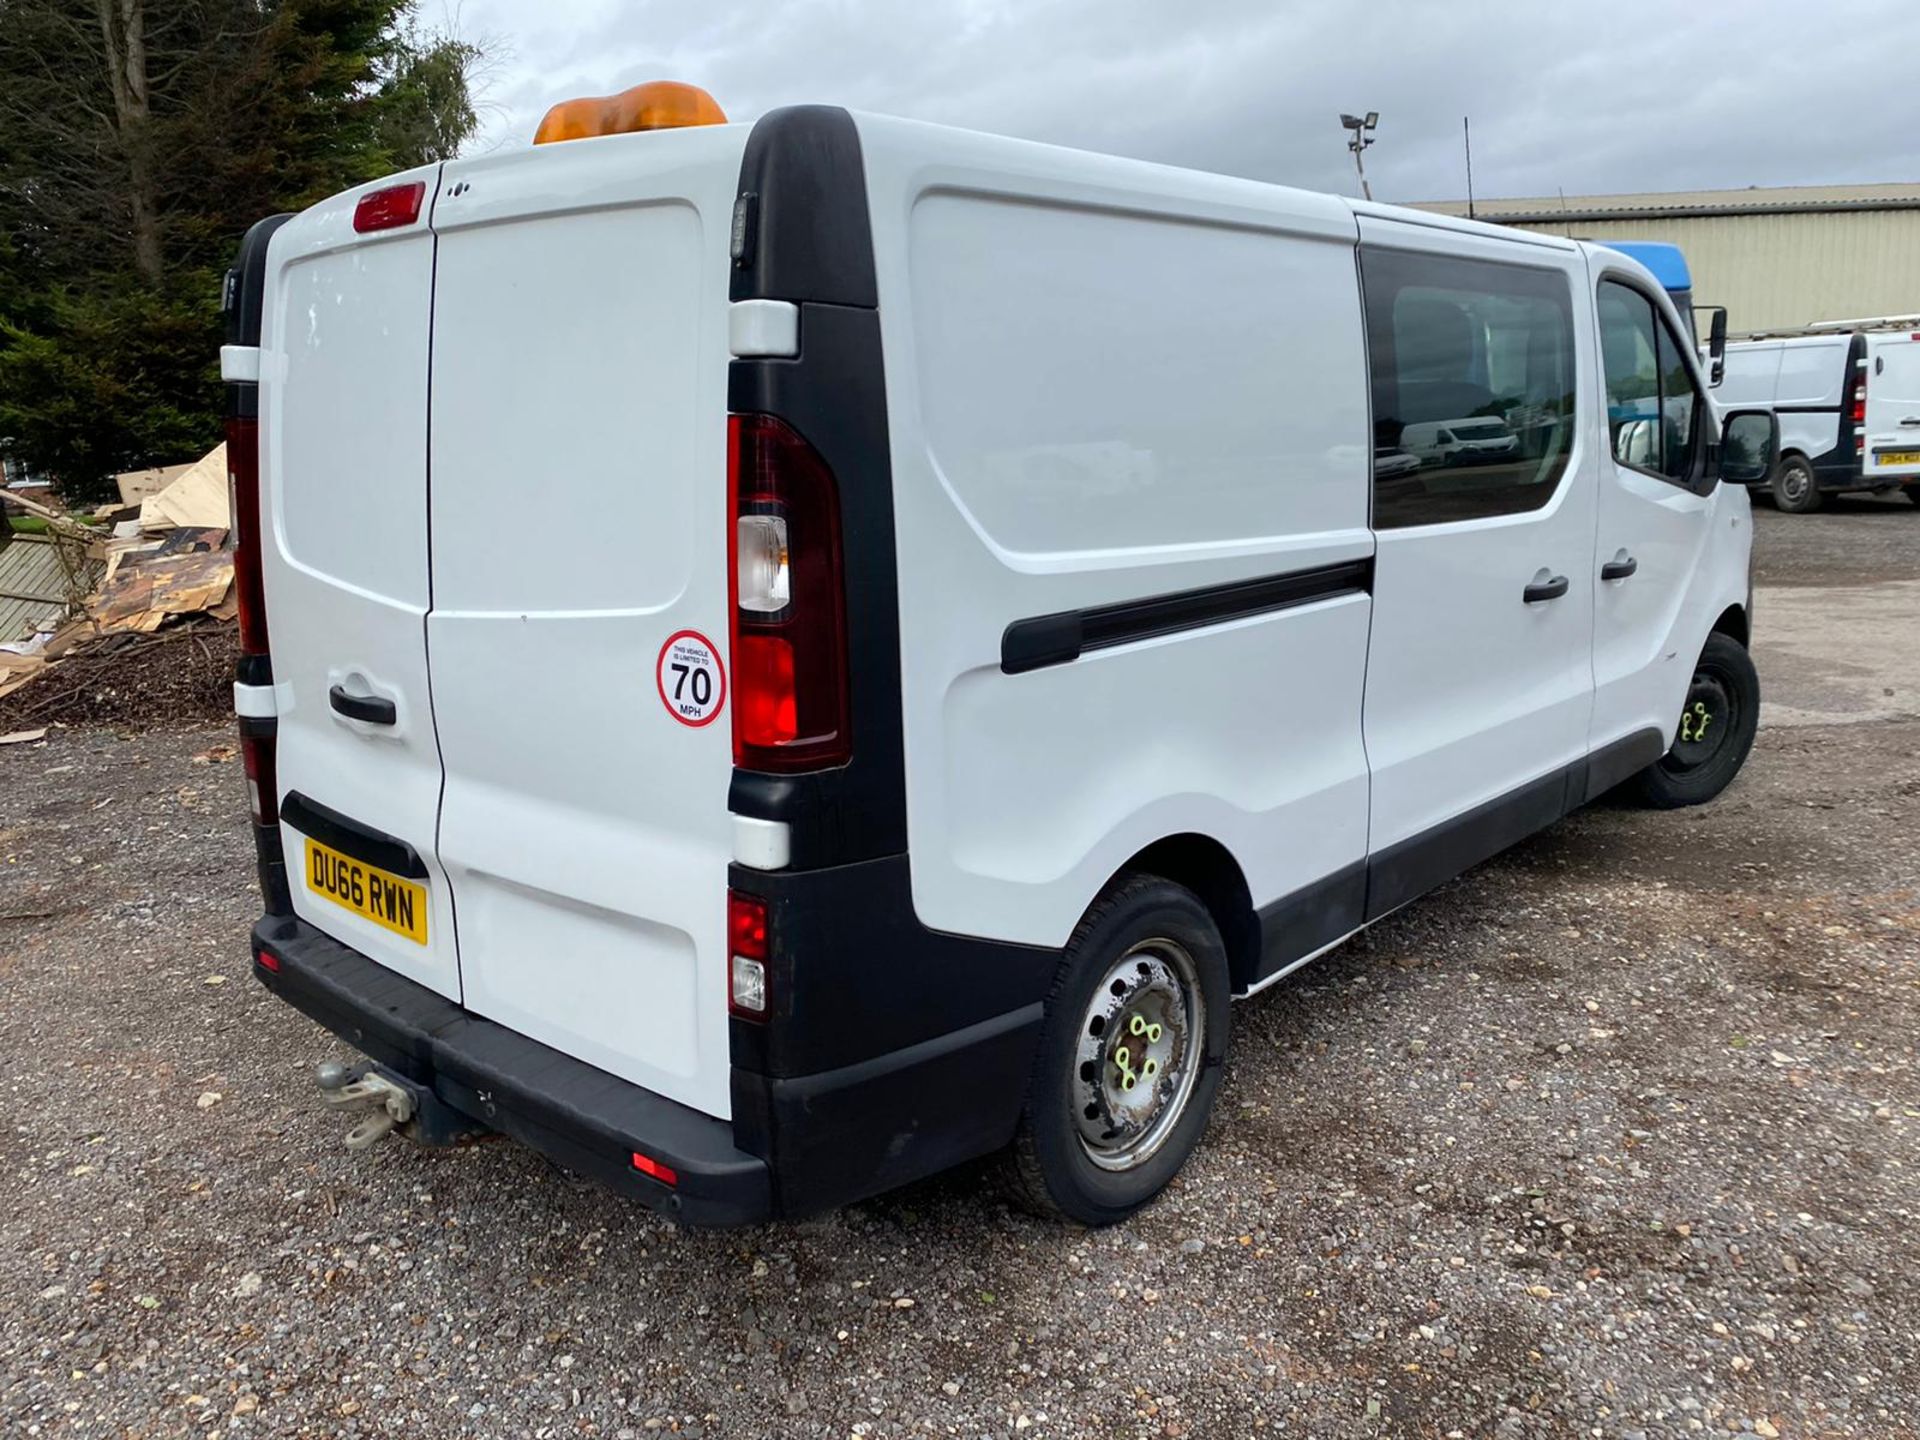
point(1130, 1056)
point(1794, 488)
point(1717, 725)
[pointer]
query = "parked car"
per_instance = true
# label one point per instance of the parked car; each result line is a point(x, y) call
point(895, 785)
point(1848, 401)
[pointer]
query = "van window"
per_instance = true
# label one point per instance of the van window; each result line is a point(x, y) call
point(1473, 386)
point(1652, 406)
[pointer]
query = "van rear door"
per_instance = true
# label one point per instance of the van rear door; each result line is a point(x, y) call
point(343, 434)
point(578, 521)
point(1893, 407)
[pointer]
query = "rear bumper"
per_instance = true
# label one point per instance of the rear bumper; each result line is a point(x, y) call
point(919, 1101)
point(583, 1118)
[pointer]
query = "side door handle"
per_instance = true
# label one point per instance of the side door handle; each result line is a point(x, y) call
point(371, 708)
point(1910, 420)
point(1540, 590)
point(1619, 569)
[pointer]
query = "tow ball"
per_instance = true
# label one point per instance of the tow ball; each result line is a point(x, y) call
point(387, 1105)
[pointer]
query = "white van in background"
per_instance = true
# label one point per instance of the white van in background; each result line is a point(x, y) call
point(1015, 634)
point(1844, 395)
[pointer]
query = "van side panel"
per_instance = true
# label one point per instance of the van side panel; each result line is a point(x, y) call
point(1109, 384)
point(579, 524)
point(343, 426)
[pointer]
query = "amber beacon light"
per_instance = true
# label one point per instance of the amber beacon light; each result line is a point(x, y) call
point(656, 105)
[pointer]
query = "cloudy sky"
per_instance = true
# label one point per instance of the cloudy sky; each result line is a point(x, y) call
point(1584, 96)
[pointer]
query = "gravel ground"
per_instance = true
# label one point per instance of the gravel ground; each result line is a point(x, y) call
point(1615, 1136)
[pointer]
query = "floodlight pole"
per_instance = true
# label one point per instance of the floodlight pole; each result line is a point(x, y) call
point(1362, 128)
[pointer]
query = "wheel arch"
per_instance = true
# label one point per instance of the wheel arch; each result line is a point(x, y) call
point(1733, 622)
point(1206, 867)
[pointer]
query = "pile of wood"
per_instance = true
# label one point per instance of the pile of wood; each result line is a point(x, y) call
point(154, 640)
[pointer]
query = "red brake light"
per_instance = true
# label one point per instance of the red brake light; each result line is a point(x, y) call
point(747, 925)
point(1860, 402)
point(390, 208)
point(647, 1165)
point(790, 704)
point(267, 961)
point(243, 486)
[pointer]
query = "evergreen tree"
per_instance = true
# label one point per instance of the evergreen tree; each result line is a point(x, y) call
point(138, 140)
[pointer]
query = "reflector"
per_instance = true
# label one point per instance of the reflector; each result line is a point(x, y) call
point(656, 105)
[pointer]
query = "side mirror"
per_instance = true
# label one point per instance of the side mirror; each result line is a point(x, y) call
point(1716, 342)
point(1749, 447)
point(1637, 442)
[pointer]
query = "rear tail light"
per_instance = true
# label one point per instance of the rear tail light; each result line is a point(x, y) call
point(1860, 401)
point(788, 592)
point(266, 960)
point(747, 955)
point(243, 493)
point(263, 795)
point(390, 208)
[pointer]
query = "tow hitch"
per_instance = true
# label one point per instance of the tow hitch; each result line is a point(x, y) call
point(389, 1105)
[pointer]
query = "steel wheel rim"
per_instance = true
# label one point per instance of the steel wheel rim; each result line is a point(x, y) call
point(1795, 481)
point(1706, 720)
point(1139, 1054)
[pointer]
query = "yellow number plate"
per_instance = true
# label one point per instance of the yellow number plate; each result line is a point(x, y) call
point(1897, 457)
point(389, 900)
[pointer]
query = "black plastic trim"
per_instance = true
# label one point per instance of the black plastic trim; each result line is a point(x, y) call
point(1060, 638)
point(1410, 869)
point(810, 241)
point(1618, 761)
point(350, 837)
point(1311, 919)
point(586, 1119)
point(808, 235)
point(1807, 409)
point(270, 862)
point(243, 300)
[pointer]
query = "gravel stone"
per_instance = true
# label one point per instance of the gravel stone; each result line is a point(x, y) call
point(1694, 1218)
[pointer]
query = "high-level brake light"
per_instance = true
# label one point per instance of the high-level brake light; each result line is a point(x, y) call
point(389, 208)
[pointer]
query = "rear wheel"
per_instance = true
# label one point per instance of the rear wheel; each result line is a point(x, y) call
point(1794, 488)
point(1130, 1056)
point(1913, 493)
point(1717, 725)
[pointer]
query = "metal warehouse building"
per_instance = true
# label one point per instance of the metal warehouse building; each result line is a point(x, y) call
point(1776, 258)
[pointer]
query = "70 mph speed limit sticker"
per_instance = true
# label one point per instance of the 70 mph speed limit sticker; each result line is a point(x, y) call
point(693, 683)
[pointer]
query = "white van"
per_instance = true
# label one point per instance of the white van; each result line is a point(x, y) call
point(1848, 401)
point(780, 658)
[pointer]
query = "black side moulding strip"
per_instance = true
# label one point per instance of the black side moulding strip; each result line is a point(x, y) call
point(1064, 636)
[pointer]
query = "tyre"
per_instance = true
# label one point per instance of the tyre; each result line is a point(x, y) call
point(1130, 1056)
point(1794, 488)
point(1715, 736)
point(1913, 493)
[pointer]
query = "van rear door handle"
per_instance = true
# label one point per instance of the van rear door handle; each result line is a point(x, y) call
point(370, 708)
point(1545, 590)
point(1619, 569)
point(1911, 420)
